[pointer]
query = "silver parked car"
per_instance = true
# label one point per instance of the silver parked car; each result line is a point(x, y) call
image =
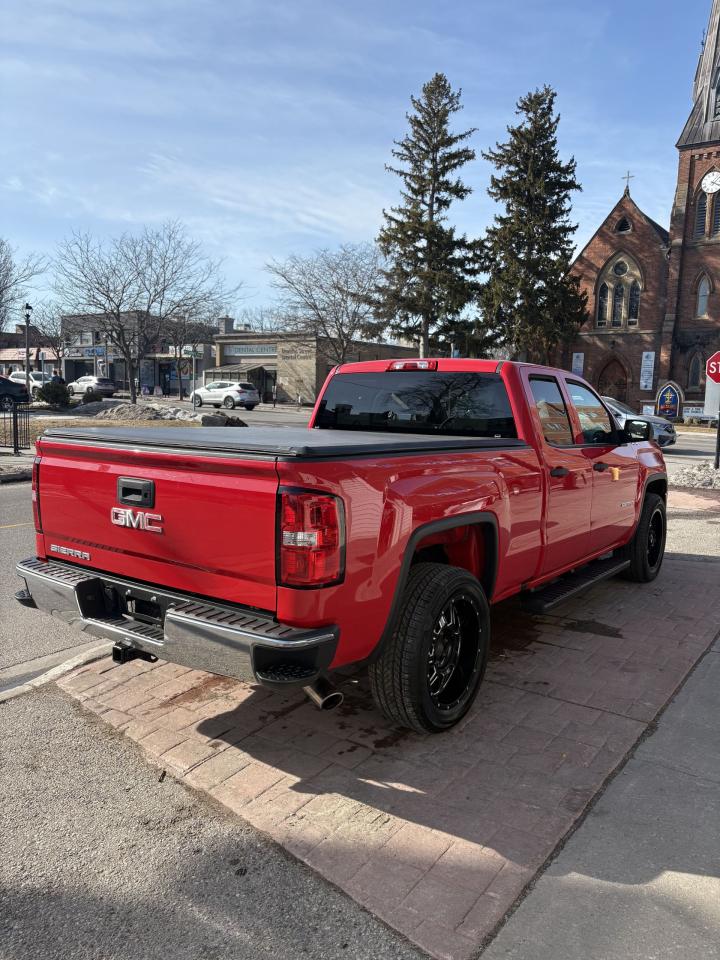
point(228, 394)
point(101, 386)
point(37, 380)
point(663, 432)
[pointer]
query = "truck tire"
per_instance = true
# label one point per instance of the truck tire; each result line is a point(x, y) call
point(430, 669)
point(647, 547)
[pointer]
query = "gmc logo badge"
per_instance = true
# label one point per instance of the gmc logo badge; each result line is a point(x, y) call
point(150, 522)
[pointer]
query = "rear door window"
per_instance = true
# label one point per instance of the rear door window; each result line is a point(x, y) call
point(552, 411)
point(595, 422)
point(419, 401)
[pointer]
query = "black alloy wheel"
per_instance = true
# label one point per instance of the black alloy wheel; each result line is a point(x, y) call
point(453, 655)
point(428, 671)
point(646, 550)
point(655, 538)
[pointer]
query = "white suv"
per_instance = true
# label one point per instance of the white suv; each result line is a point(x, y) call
point(228, 394)
point(37, 380)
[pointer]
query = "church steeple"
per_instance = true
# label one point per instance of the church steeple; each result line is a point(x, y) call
point(703, 125)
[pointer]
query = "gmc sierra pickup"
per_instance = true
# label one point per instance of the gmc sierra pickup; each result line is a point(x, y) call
point(422, 491)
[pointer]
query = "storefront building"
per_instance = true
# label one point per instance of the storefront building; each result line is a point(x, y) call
point(287, 365)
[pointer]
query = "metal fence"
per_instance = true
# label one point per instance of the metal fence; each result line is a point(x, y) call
point(15, 427)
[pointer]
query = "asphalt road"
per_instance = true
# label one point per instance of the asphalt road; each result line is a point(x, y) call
point(689, 448)
point(103, 860)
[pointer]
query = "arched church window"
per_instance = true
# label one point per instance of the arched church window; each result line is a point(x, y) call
point(634, 304)
point(694, 372)
point(602, 307)
point(618, 304)
point(700, 215)
point(703, 294)
point(623, 226)
point(716, 216)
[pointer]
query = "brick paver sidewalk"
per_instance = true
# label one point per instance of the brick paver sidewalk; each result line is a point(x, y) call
point(439, 835)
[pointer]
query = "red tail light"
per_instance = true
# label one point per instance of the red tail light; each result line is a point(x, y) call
point(311, 539)
point(36, 494)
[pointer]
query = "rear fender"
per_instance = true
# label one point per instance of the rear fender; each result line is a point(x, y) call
point(469, 541)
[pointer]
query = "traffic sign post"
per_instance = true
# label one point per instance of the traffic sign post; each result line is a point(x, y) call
point(712, 373)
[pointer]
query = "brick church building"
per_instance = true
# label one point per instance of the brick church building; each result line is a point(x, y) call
point(653, 294)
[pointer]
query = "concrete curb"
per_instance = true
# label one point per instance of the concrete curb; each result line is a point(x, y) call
point(81, 660)
point(16, 477)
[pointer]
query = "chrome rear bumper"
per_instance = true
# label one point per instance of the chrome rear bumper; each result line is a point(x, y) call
point(200, 634)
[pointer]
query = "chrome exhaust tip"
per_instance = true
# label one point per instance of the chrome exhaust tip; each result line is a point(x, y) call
point(324, 694)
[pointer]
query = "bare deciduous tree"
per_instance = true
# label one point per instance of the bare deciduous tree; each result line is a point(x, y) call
point(262, 319)
point(327, 296)
point(136, 283)
point(49, 322)
point(186, 332)
point(15, 275)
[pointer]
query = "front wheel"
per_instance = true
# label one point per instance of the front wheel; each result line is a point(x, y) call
point(197, 400)
point(647, 547)
point(6, 404)
point(430, 669)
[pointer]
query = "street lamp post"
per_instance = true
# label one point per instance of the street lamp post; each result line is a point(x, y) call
point(28, 310)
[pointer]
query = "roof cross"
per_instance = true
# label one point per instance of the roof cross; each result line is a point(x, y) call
point(627, 178)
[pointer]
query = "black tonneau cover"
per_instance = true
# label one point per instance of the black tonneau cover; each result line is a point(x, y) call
point(281, 442)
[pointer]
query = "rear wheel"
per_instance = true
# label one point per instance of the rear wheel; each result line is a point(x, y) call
point(6, 404)
point(430, 670)
point(250, 406)
point(229, 403)
point(647, 547)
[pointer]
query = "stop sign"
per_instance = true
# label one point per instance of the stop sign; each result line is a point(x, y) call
point(713, 368)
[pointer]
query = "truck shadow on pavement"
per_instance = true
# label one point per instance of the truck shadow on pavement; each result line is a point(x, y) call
point(565, 698)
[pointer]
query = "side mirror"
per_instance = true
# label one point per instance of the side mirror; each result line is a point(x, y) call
point(635, 430)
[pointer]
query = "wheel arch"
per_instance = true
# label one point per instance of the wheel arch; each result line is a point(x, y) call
point(656, 483)
point(427, 537)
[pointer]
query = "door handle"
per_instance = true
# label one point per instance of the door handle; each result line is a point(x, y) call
point(559, 472)
point(601, 467)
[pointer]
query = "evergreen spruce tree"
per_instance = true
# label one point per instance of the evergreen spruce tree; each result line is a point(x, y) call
point(430, 271)
point(530, 296)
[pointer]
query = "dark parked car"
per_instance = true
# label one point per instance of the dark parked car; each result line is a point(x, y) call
point(12, 393)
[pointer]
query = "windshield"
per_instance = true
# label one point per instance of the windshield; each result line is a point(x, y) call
point(459, 404)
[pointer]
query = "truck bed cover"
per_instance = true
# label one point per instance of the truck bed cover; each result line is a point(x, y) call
point(295, 443)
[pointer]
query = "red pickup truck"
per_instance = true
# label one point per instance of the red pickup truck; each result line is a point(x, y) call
point(422, 491)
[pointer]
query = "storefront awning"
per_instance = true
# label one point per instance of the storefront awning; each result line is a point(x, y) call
point(230, 369)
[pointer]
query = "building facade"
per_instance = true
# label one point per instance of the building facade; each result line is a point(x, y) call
point(89, 351)
point(286, 366)
point(654, 294)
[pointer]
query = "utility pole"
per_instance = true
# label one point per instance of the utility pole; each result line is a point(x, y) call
point(28, 311)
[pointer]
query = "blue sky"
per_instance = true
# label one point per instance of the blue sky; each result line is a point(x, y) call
point(265, 126)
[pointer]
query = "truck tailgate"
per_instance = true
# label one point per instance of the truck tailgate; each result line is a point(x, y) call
point(200, 523)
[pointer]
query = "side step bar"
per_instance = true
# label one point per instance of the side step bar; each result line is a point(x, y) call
point(541, 601)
